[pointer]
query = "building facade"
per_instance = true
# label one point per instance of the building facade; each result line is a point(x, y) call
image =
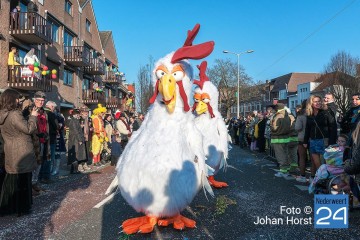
point(66, 40)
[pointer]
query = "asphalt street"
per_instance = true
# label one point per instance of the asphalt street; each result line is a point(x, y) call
point(253, 192)
point(76, 208)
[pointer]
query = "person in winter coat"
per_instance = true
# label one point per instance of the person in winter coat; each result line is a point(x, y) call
point(280, 128)
point(124, 130)
point(76, 146)
point(318, 123)
point(332, 108)
point(16, 193)
point(260, 138)
point(352, 166)
point(300, 125)
point(86, 125)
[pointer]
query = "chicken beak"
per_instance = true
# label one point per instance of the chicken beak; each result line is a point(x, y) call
point(167, 88)
point(201, 108)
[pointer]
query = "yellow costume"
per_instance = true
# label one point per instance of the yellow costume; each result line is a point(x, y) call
point(11, 59)
point(99, 135)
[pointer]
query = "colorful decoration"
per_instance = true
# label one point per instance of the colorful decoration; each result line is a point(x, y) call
point(53, 71)
point(43, 73)
point(36, 69)
point(36, 64)
point(98, 89)
point(53, 76)
point(31, 67)
point(47, 72)
point(45, 68)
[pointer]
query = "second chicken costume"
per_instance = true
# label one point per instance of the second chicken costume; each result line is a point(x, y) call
point(211, 125)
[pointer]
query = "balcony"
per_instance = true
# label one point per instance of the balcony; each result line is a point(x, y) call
point(90, 96)
point(78, 56)
point(113, 102)
point(111, 77)
point(96, 67)
point(31, 28)
point(21, 77)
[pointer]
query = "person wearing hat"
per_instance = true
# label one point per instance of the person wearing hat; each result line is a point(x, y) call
point(99, 137)
point(42, 173)
point(86, 125)
point(280, 129)
point(76, 146)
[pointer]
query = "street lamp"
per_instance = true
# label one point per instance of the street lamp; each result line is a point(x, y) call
point(238, 76)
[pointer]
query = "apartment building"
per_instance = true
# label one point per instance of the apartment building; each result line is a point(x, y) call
point(65, 36)
point(287, 86)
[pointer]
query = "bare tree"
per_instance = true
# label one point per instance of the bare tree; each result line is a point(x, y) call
point(144, 88)
point(224, 75)
point(342, 69)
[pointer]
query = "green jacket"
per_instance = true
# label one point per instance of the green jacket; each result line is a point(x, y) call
point(280, 127)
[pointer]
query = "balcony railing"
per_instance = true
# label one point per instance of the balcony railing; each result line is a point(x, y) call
point(31, 28)
point(90, 96)
point(96, 67)
point(111, 77)
point(113, 102)
point(77, 55)
point(21, 77)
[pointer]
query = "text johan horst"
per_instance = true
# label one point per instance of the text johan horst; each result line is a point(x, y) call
point(292, 217)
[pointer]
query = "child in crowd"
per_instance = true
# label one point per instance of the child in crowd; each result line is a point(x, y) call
point(334, 156)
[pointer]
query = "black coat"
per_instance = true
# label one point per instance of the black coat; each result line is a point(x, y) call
point(352, 166)
point(332, 109)
point(319, 126)
point(262, 126)
point(53, 125)
point(349, 121)
point(76, 151)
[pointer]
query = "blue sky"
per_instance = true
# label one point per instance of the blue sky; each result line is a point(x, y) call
point(271, 28)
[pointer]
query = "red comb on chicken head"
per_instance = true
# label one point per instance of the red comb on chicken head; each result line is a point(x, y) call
point(202, 99)
point(166, 80)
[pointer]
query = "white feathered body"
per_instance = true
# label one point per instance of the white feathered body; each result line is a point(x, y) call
point(214, 131)
point(158, 172)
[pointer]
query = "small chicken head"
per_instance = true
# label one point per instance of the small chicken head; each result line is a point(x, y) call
point(202, 96)
point(202, 99)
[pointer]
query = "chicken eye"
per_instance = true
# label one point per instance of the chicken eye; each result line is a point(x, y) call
point(178, 75)
point(159, 74)
point(206, 100)
point(196, 100)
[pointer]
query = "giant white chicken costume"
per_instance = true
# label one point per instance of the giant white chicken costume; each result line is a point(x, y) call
point(211, 125)
point(163, 165)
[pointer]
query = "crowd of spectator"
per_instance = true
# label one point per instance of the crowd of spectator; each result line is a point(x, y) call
point(35, 137)
point(312, 136)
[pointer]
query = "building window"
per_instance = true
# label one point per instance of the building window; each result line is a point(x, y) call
point(88, 25)
point(68, 38)
point(68, 7)
point(282, 94)
point(68, 77)
point(54, 31)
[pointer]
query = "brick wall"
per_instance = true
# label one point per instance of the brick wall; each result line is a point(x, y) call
point(54, 53)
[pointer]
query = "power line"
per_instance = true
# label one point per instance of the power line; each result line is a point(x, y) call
point(307, 37)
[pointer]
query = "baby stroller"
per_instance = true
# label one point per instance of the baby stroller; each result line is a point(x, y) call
point(329, 173)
